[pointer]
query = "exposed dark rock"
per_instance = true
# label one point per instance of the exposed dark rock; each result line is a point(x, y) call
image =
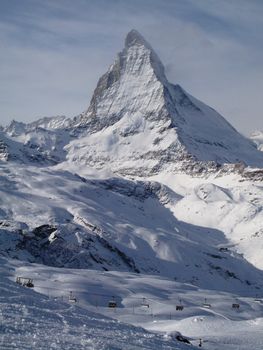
point(44, 231)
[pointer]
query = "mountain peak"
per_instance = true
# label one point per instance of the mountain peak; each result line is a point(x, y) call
point(136, 65)
point(137, 114)
point(135, 38)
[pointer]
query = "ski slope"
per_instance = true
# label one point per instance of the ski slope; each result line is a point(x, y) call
point(30, 320)
point(90, 320)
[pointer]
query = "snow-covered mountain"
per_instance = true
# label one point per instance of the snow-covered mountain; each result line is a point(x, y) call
point(49, 123)
point(140, 123)
point(257, 137)
point(147, 181)
point(41, 141)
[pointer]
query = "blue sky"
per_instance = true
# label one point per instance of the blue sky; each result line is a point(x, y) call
point(54, 51)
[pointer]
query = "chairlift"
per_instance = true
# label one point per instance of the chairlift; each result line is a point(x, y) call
point(25, 282)
point(179, 307)
point(72, 298)
point(207, 305)
point(112, 303)
point(257, 299)
point(235, 306)
point(144, 303)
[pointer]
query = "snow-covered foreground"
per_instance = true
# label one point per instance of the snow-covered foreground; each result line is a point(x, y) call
point(30, 320)
point(142, 300)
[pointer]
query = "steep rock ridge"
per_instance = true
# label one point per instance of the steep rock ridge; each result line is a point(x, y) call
point(139, 123)
point(132, 88)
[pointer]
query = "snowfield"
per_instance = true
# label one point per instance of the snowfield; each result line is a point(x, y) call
point(30, 320)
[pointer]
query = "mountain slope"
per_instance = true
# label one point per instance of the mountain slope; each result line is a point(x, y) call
point(61, 219)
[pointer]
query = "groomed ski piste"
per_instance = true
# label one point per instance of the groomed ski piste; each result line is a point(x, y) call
point(30, 320)
point(44, 317)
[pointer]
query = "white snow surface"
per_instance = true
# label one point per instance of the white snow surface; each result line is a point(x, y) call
point(30, 320)
point(142, 300)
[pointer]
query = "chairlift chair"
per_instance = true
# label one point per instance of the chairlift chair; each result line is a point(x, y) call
point(144, 303)
point(25, 282)
point(207, 305)
point(179, 307)
point(72, 298)
point(18, 280)
point(112, 303)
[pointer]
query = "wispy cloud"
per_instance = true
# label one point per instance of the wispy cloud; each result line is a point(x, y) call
point(53, 52)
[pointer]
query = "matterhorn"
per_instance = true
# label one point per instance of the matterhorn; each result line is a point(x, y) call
point(139, 123)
